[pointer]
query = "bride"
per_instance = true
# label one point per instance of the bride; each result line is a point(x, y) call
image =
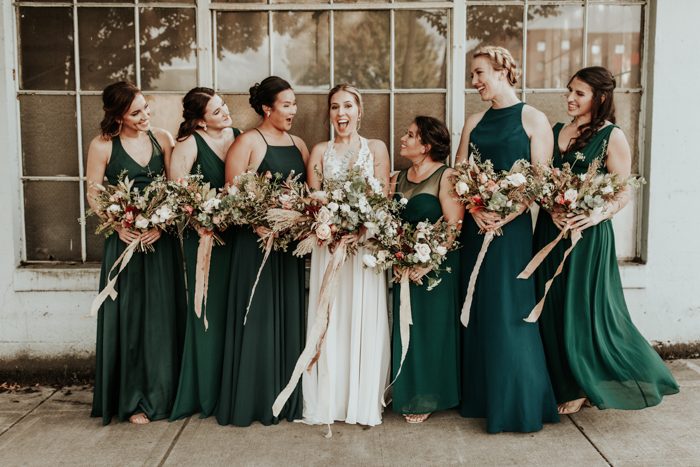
point(349, 378)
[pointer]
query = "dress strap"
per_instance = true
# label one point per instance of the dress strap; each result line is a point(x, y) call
point(263, 137)
point(293, 143)
point(154, 141)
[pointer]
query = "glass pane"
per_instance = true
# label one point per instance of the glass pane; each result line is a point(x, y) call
point(474, 104)
point(168, 48)
point(421, 49)
point(166, 111)
point(243, 1)
point(361, 1)
point(91, 114)
point(375, 118)
point(494, 25)
point(49, 140)
point(105, 1)
point(242, 51)
point(615, 41)
point(242, 114)
point(407, 107)
point(554, 45)
point(552, 104)
point(361, 46)
point(301, 48)
point(106, 39)
point(94, 243)
point(51, 212)
point(46, 64)
point(301, 1)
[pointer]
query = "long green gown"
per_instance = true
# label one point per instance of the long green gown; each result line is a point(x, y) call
point(203, 353)
point(592, 347)
point(259, 357)
point(429, 379)
point(139, 335)
point(504, 374)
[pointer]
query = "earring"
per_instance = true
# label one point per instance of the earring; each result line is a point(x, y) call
point(204, 127)
point(359, 122)
point(267, 114)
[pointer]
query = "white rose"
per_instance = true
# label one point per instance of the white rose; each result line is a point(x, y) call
point(607, 189)
point(114, 208)
point(441, 250)
point(375, 184)
point(364, 205)
point(403, 201)
point(232, 190)
point(141, 222)
point(319, 195)
point(369, 260)
point(333, 206)
point(422, 252)
point(570, 195)
point(165, 213)
point(372, 229)
point(347, 185)
point(155, 220)
point(345, 208)
point(323, 232)
point(381, 255)
point(338, 194)
point(461, 188)
point(516, 179)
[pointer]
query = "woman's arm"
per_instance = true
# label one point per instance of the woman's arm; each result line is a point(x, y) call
point(166, 141)
point(469, 125)
point(314, 167)
point(183, 158)
point(382, 165)
point(238, 156)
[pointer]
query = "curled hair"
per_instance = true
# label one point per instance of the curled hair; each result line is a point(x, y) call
point(265, 93)
point(602, 83)
point(194, 105)
point(501, 59)
point(433, 132)
point(116, 100)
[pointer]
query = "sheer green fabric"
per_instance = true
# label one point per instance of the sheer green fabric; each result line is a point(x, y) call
point(504, 374)
point(203, 353)
point(139, 335)
point(429, 379)
point(592, 347)
point(259, 357)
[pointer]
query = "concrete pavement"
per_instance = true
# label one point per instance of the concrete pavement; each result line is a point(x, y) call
point(52, 427)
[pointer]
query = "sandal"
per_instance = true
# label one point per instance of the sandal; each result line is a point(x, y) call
point(416, 418)
point(571, 407)
point(139, 419)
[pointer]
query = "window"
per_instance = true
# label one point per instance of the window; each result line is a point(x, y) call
point(406, 59)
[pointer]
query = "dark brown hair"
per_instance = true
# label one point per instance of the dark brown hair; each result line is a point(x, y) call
point(265, 93)
point(433, 132)
point(193, 106)
point(602, 82)
point(116, 100)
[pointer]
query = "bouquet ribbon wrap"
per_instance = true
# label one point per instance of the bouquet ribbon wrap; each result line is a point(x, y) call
point(317, 334)
point(405, 322)
point(201, 281)
point(268, 248)
point(488, 238)
point(109, 290)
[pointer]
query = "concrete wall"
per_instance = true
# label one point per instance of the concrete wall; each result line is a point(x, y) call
point(42, 310)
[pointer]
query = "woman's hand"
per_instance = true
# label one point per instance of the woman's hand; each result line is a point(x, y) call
point(560, 220)
point(350, 240)
point(150, 236)
point(127, 235)
point(485, 219)
point(263, 232)
point(416, 274)
point(583, 221)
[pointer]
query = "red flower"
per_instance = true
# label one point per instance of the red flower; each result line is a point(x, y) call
point(399, 255)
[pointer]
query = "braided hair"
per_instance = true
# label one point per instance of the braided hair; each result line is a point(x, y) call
point(194, 105)
point(602, 83)
point(501, 59)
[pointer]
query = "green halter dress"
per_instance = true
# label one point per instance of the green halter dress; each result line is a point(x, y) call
point(504, 374)
point(592, 347)
point(203, 353)
point(429, 379)
point(139, 335)
point(259, 357)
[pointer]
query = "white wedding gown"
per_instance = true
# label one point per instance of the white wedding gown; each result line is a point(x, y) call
point(349, 378)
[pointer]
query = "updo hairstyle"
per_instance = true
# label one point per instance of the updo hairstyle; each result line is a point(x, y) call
point(433, 132)
point(194, 105)
point(501, 59)
point(265, 93)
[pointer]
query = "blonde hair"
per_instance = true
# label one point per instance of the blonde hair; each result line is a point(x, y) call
point(501, 59)
point(355, 94)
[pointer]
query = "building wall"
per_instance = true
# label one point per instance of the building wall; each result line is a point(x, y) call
point(42, 310)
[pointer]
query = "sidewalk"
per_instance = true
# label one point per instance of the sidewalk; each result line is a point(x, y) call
point(53, 427)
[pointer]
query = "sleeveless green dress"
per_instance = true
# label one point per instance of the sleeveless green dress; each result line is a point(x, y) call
point(429, 379)
point(203, 353)
point(504, 374)
point(259, 357)
point(139, 335)
point(592, 347)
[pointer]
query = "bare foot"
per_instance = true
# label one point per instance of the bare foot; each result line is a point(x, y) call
point(416, 418)
point(139, 419)
point(571, 407)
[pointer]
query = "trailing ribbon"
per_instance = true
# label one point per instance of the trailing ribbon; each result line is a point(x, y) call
point(537, 311)
point(201, 281)
point(268, 249)
point(317, 334)
point(405, 322)
point(466, 308)
point(541, 255)
point(109, 290)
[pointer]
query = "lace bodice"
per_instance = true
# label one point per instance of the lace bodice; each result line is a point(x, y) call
point(337, 166)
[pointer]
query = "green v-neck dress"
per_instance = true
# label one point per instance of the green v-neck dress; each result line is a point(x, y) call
point(504, 374)
point(429, 379)
point(139, 334)
point(203, 353)
point(259, 357)
point(592, 347)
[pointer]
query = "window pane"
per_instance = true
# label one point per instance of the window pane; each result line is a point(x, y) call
point(166, 111)
point(243, 1)
point(91, 114)
point(554, 45)
point(407, 107)
point(361, 45)
point(51, 212)
point(421, 49)
point(242, 114)
point(94, 243)
point(614, 41)
point(168, 48)
point(311, 122)
point(301, 48)
point(375, 117)
point(474, 104)
point(242, 51)
point(46, 64)
point(49, 140)
point(552, 104)
point(106, 39)
point(494, 25)
point(302, 1)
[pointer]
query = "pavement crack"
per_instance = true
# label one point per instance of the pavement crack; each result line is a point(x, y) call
point(173, 442)
point(29, 412)
point(583, 432)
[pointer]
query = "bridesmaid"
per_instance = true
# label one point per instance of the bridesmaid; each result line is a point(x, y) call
point(592, 347)
point(202, 141)
point(259, 357)
point(504, 374)
point(138, 344)
point(429, 379)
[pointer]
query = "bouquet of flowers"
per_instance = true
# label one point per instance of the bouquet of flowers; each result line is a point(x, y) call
point(565, 192)
point(482, 188)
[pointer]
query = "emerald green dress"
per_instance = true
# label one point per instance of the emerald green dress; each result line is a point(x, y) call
point(592, 347)
point(139, 335)
point(429, 379)
point(504, 374)
point(259, 357)
point(203, 353)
